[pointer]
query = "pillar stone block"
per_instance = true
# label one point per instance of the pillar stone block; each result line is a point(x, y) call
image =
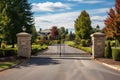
point(24, 44)
point(98, 44)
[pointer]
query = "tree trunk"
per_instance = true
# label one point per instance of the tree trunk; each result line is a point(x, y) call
point(0, 44)
point(13, 46)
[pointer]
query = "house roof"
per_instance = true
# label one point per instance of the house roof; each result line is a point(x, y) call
point(46, 31)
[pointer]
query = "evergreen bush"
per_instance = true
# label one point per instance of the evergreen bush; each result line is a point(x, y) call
point(8, 52)
point(108, 51)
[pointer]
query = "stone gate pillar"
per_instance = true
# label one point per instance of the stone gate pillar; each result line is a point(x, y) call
point(24, 44)
point(98, 44)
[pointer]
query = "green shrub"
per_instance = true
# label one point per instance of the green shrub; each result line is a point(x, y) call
point(108, 51)
point(44, 47)
point(70, 43)
point(77, 42)
point(37, 48)
point(83, 42)
point(8, 52)
point(116, 54)
point(34, 50)
point(113, 43)
point(58, 42)
point(3, 45)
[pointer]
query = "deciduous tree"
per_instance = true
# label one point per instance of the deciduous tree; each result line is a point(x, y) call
point(54, 34)
point(112, 22)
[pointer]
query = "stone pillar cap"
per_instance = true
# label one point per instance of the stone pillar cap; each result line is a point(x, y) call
point(97, 34)
point(24, 34)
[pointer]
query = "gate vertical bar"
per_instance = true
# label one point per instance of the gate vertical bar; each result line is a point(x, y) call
point(60, 46)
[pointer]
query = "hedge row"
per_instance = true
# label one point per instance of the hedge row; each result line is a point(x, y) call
point(116, 54)
point(37, 48)
point(8, 52)
point(13, 51)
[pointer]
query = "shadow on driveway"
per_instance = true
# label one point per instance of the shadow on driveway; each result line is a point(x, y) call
point(38, 61)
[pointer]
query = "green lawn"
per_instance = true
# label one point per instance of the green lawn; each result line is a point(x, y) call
point(39, 46)
point(4, 65)
point(87, 49)
point(70, 43)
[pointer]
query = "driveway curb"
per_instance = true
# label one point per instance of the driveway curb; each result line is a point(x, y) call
point(108, 65)
point(113, 67)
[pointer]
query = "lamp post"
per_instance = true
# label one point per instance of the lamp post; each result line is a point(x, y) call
point(97, 28)
point(0, 42)
point(24, 28)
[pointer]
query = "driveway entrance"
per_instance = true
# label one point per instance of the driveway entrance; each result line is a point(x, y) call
point(63, 50)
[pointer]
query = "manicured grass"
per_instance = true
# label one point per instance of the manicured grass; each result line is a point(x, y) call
point(87, 49)
point(40, 47)
point(71, 43)
point(4, 65)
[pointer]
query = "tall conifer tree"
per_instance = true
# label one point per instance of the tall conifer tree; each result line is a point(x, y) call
point(19, 15)
point(83, 26)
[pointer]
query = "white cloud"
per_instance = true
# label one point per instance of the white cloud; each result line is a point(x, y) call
point(66, 19)
point(98, 20)
point(99, 11)
point(61, 19)
point(50, 6)
point(88, 1)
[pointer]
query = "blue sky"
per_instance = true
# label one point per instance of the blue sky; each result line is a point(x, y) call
point(48, 13)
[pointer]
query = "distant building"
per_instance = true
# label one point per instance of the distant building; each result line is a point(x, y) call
point(44, 33)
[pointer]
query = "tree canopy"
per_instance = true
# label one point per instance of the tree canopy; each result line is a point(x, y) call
point(83, 26)
point(54, 34)
point(63, 32)
point(17, 13)
point(112, 22)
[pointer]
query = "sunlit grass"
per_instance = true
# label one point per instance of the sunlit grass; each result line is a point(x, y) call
point(4, 65)
point(39, 46)
point(69, 42)
point(87, 49)
point(72, 43)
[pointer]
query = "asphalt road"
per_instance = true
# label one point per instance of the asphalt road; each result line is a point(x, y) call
point(64, 50)
point(60, 68)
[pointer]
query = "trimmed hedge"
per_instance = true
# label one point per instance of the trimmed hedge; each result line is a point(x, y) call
point(8, 52)
point(116, 54)
point(37, 48)
point(13, 51)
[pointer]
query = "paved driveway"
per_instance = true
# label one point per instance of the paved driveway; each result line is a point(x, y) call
point(64, 50)
point(60, 68)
